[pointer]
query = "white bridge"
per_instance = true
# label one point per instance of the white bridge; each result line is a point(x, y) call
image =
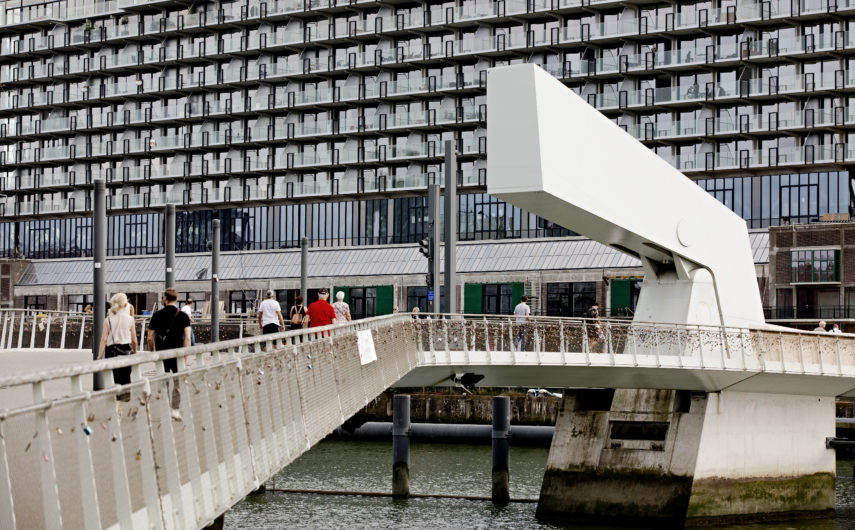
point(715, 415)
point(89, 460)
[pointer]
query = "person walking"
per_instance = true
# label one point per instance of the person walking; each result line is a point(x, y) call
point(169, 329)
point(187, 309)
point(297, 314)
point(522, 312)
point(595, 329)
point(835, 329)
point(270, 315)
point(119, 337)
point(821, 326)
point(320, 313)
point(342, 310)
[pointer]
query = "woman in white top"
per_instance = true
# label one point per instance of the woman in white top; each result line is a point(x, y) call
point(342, 310)
point(119, 336)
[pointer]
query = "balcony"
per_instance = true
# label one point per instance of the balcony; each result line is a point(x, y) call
point(827, 313)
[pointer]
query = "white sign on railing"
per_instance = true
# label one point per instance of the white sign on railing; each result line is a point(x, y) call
point(365, 343)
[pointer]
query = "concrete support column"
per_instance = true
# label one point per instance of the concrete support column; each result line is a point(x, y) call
point(401, 447)
point(501, 449)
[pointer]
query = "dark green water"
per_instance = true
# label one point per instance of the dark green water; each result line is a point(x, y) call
point(434, 469)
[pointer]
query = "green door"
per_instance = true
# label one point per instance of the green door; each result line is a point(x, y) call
point(621, 299)
point(345, 290)
point(518, 289)
point(385, 301)
point(472, 298)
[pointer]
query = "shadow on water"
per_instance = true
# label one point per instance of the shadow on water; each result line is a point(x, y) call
point(434, 469)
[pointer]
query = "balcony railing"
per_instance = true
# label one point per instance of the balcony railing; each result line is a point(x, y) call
point(823, 312)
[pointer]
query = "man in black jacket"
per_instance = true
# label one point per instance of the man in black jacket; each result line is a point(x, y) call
point(168, 329)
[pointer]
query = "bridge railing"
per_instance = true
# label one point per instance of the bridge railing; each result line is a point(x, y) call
point(37, 328)
point(75, 458)
point(497, 339)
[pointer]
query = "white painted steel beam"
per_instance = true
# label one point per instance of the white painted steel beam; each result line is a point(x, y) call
point(551, 153)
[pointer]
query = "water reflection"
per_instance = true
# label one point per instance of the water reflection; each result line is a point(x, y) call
point(434, 469)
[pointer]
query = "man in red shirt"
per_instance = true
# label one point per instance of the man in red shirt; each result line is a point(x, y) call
point(320, 313)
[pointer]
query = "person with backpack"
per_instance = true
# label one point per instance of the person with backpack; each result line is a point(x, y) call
point(168, 329)
point(297, 314)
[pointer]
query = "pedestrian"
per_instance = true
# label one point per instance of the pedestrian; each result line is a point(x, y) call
point(88, 309)
point(119, 337)
point(342, 310)
point(270, 315)
point(595, 328)
point(415, 312)
point(522, 312)
point(129, 309)
point(821, 326)
point(320, 312)
point(835, 329)
point(297, 314)
point(168, 329)
point(187, 308)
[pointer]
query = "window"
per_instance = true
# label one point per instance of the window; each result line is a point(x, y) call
point(363, 302)
point(417, 297)
point(497, 299)
point(815, 266)
point(288, 297)
point(784, 303)
point(241, 301)
point(78, 302)
point(35, 302)
point(197, 297)
point(565, 299)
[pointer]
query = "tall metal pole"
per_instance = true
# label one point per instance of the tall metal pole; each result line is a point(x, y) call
point(99, 254)
point(434, 236)
point(401, 446)
point(501, 449)
point(304, 269)
point(449, 294)
point(215, 281)
point(170, 245)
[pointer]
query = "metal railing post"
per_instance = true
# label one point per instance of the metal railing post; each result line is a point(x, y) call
point(47, 331)
point(64, 330)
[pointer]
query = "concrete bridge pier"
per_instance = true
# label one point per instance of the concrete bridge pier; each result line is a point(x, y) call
point(668, 458)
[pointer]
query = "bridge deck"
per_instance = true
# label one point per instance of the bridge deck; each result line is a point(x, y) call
point(90, 460)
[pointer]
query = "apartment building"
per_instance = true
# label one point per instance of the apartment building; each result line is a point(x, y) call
point(328, 118)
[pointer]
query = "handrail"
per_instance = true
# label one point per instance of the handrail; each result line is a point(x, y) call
point(306, 334)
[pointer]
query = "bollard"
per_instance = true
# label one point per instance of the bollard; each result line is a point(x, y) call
point(501, 454)
point(401, 447)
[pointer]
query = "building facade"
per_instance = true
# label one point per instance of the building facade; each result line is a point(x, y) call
point(327, 119)
point(812, 273)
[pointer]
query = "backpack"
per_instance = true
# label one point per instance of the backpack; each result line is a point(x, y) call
point(160, 339)
point(296, 315)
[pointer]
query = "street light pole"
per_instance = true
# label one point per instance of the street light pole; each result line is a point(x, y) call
point(215, 280)
point(99, 287)
point(170, 246)
point(434, 242)
point(449, 294)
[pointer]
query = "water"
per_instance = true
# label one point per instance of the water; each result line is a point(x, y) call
point(434, 469)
